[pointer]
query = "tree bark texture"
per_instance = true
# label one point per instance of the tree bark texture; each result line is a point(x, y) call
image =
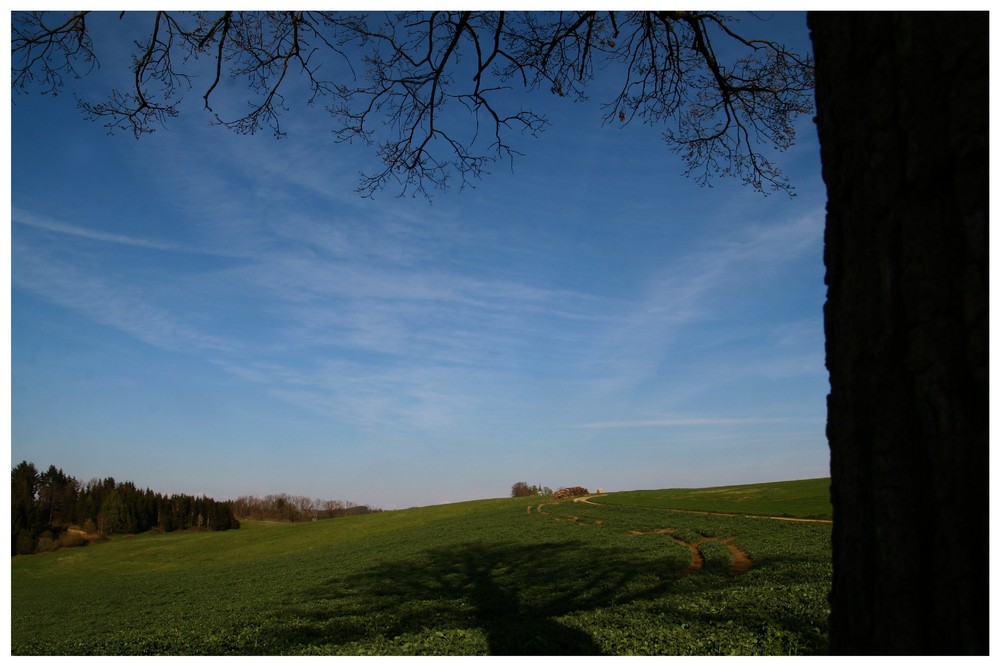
point(902, 113)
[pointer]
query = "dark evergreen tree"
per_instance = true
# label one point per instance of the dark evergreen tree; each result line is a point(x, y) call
point(43, 506)
point(24, 521)
point(54, 491)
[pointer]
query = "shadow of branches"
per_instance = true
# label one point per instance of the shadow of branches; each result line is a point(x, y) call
point(564, 586)
point(512, 595)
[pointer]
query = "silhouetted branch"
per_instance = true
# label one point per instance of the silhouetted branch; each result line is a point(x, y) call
point(42, 55)
point(398, 81)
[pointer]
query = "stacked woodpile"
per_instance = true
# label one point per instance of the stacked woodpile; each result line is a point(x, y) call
point(570, 492)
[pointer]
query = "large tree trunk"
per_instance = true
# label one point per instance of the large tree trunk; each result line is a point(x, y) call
point(902, 112)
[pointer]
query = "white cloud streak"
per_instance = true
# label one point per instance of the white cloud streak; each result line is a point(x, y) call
point(48, 224)
point(442, 339)
point(121, 306)
point(696, 421)
point(697, 289)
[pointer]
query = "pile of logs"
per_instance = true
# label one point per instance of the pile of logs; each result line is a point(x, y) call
point(570, 492)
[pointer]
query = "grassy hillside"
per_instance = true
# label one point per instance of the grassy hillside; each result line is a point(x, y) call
point(806, 499)
point(507, 576)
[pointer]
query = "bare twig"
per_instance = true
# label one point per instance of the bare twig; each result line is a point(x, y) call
point(395, 79)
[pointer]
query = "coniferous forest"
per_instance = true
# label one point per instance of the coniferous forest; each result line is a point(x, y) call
point(52, 510)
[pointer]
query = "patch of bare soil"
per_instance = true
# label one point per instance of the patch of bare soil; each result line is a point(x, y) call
point(697, 559)
point(741, 560)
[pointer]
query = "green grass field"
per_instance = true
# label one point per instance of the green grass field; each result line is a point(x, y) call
point(628, 576)
point(808, 499)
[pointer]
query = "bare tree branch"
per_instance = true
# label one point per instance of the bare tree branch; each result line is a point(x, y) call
point(42, 55)
point(402, 82)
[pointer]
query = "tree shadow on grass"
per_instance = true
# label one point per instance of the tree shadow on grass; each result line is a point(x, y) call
point(513, 597)
point(511, 626)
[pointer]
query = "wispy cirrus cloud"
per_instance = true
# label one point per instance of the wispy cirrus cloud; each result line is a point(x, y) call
point(45, 223)
point(696, 421)
point(711, 284)
point(126, 307)
point(394, 331)
point(403, 395)
point(383, 338)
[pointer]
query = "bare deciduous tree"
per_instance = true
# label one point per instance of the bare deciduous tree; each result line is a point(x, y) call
point(906, 253)
point(392, 80)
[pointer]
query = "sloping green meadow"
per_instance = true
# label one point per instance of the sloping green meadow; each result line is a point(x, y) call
point(807, 498)
point(490, 577)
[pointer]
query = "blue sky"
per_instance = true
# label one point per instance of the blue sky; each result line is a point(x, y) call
point(202, 312)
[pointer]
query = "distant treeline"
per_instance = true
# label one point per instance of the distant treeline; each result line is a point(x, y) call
point(51, 510)
point(522, 489)
point(283, 507)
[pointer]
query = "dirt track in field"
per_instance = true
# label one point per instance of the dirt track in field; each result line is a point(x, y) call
point(741, 561)
point(586, 499)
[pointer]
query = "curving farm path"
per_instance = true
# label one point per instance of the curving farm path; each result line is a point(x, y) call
point(586, 499)
point(741, 561)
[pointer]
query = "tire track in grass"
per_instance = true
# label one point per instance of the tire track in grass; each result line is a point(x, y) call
point(586, 499)
point(741, 559)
